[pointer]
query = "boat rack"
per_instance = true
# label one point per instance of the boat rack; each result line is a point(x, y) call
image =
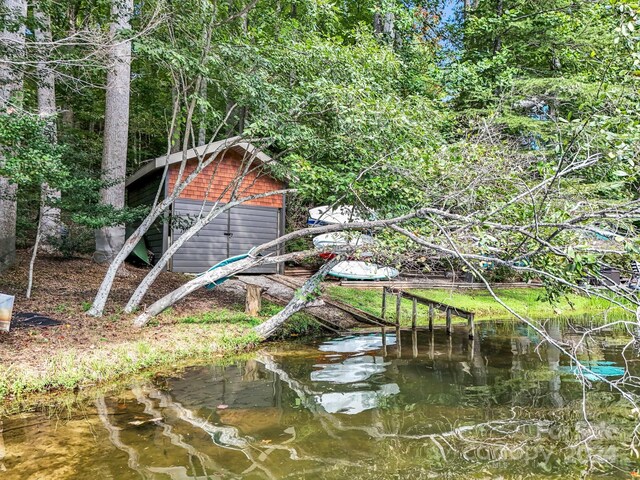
point(449, 310)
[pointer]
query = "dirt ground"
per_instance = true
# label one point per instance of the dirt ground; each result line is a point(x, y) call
point(64, 289)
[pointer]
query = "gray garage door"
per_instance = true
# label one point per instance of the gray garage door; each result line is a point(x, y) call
point(233, 233)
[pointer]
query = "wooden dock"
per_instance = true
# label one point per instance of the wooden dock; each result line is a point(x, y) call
point(449, 310)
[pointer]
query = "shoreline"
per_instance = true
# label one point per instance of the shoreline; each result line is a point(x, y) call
point(84, 352)
point(76, 369)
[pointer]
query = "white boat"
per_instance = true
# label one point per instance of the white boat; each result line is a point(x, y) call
point(358, 270)
point(341, 240)
point(327, 215)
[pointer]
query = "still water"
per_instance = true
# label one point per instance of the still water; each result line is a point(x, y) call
point(424, 405)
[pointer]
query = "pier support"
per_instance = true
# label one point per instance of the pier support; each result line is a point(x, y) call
point(414, 314)
point(472, 327)
point(384, 303)
point(448, 322)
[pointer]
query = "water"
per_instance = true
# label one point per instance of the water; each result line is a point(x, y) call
point(500, 406)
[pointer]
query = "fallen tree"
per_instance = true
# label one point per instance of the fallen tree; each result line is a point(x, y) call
point(309, 291)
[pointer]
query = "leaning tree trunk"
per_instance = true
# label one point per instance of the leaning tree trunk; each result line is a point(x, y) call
point(100, 299)
point(302, 297)
point(50, 226)
point(109, 240)
point(254, 259)
point(12, 43)
point(144, 286)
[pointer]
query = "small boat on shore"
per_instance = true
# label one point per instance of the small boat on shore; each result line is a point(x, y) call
point(359, 270)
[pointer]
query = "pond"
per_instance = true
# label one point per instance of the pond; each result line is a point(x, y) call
point(417, 405)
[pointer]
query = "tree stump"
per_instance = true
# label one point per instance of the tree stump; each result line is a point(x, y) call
point(253, 303)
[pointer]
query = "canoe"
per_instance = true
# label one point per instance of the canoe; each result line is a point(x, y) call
point(327, 215)
point(341, 240)
point(358, 270)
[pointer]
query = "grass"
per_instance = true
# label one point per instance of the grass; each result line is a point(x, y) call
point(299, 323)
point(525, 301)
point(200, 336)
point(71, 369)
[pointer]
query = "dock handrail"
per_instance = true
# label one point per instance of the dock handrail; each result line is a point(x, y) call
point(449, 310)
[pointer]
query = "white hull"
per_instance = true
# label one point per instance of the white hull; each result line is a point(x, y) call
point(341, 240)
point(327, 215)
point(358, 270)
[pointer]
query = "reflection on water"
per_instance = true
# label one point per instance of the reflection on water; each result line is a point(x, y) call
point(423, 405)
point(356, 372)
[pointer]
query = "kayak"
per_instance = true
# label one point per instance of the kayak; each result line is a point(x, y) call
point(327, 215)
point(340, 240)
point(223, 263)
point(358, 270)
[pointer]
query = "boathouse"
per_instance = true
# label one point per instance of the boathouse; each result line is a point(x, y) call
point(232, 233)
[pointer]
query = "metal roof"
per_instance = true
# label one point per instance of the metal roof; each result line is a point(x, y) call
point(234, 143)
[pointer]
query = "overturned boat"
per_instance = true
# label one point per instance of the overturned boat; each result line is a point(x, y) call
point(359, 270)
point(327, 215)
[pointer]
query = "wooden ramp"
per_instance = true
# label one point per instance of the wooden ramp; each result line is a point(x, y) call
point(360, 315)
point(324, 311)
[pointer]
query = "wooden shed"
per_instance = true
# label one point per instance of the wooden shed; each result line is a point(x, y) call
point(232, 233)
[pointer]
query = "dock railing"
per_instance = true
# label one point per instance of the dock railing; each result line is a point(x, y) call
point(448, 310)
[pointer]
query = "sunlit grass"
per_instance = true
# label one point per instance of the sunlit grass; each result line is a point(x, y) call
point(529, 302)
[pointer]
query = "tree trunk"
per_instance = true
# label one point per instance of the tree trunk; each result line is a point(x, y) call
point(34, 254)
point(50, 226)
point(253, 301)
point(306, 294)
point(109, 240)
point(194, 284)
point(202, 129)
point(497, 42)
point(176, 135)
point(254, 260)
point(13, 37)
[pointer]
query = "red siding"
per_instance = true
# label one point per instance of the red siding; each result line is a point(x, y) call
point(220, 174)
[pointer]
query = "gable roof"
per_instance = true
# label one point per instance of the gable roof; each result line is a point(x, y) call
point(234, 143)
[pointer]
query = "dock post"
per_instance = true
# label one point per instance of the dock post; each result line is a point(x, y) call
point(398, 310)
point(448, 321)
point(398, 342)
point(430, 317)
point(384, 302)
point(472, 327)
point(414, 314)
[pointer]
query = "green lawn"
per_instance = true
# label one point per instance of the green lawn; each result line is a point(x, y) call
point(525, 301)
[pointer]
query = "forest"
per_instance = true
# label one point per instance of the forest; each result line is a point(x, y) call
point(494, 141)
point(510, 130)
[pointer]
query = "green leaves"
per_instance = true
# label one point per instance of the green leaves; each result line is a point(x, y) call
point(27, 155)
